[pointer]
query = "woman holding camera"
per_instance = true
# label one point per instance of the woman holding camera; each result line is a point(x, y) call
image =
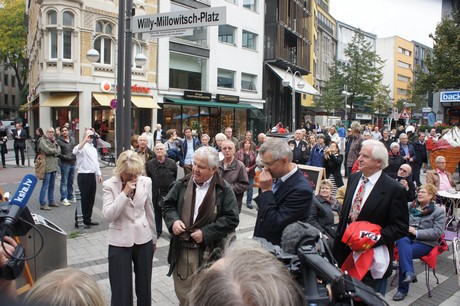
point(426, 224)
point(132, 236)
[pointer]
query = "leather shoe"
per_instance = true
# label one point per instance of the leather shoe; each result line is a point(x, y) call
point(92, 223)
point(399, 296)
point(410, 278)
point(85, 226)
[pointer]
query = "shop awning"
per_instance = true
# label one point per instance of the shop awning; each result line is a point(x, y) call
point(258, 114)
point(144, 102)
point(103, 99)
point(307, 89)
point(60, 100)
point(208, 103)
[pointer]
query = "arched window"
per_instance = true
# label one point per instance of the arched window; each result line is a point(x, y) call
point(53, 34)
point(104, 44)
point(68, 23)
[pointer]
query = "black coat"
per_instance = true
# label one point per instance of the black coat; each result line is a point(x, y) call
point(394, 162)
point(300, 151)
point(333, 165)
point(420, 152)
point(386, 206)
point(163, 175)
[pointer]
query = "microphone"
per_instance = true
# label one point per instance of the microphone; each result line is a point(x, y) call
point(298, 234)
point(17, 204)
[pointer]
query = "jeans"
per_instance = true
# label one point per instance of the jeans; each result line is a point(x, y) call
point(408, 250)
point(67, 177)
point(48, 185)
point(250, 190)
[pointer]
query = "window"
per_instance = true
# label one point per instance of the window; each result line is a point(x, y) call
point(52, 18)
point(13, 81)
point(104, 44)
point(68, 22)
point(225, 78)
point(6, 99)
point(404, 65)
point(187, 72)
point(250, 4)
point(13, 100)
point(137, 49)
point(402, 91)
point(248, 82)
point(227, 34)
point(404, 51)
point(403, 78)
point(5, 80)
point(200, 34)
point(249, 40)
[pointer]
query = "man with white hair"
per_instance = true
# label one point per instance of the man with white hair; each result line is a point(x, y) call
point(373, 196)
point(159, 135)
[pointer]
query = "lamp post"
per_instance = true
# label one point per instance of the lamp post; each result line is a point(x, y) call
point(346, 94)
point(299, 84)
point(123, 111)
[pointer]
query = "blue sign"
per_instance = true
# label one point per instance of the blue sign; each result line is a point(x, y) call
point(450, 96)
point(113, 103)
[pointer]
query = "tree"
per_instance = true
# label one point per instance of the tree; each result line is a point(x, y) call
point(382, 102)
point(363, 73)
point(331, 98)
point(13, 42)
point(444, 65)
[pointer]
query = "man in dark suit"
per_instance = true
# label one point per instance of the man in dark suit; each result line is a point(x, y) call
point(383, 203)
point(285, 200)
point(159, 135)
point(299, 148)
point(20, 136)
point(420, 158)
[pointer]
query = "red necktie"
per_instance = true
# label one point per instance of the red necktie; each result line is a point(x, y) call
point(358, 200)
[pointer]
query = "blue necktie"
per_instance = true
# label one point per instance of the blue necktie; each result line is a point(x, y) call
point(276, 185)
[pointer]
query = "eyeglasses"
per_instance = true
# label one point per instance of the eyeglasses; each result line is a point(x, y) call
point(401, 169)
point(227, 148)
point(265, 164)
point(441, 162)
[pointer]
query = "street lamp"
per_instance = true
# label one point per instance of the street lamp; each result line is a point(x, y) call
point(346, 94)
point(299, 84)
point(122, 141)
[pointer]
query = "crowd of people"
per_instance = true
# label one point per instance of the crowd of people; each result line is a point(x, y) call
point(202, 209)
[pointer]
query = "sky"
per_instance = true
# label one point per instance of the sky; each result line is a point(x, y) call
point(408, 19)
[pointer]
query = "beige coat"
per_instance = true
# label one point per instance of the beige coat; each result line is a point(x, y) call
point(432, 177)
point(131, 220)
point(52, 151)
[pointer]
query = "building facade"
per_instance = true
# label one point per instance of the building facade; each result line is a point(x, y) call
point(9, 93)
point(64, 85)
point(213, 78)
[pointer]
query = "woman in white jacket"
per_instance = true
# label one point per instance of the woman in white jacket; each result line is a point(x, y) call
point(132, 231)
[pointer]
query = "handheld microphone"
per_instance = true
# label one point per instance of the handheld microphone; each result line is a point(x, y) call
point(17, 204)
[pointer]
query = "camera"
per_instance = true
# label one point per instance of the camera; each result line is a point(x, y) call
point(93, 136)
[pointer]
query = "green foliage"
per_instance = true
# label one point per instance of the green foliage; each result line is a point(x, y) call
point(444, 66)
point(362, 75)
point(329, 99)
point(382, 102)
point(13, 41)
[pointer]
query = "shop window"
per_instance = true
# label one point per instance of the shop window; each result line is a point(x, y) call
point(225, 78)
point(104, 44)
point(249, 40)
point(250, 5)
point(187, 71)
point(227, 34)
point(248, 81)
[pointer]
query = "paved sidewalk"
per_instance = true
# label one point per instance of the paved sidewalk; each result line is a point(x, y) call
point(88, 251)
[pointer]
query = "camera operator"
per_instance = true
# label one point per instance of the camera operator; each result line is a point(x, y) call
point(88, 169)
point(7, 287)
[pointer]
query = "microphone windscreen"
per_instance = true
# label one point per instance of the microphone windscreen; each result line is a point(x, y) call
point(24, 191)
point(297, 234)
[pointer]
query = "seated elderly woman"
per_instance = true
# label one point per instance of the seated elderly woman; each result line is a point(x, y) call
point(395, 160)
point(325, 210)
point(426, 224)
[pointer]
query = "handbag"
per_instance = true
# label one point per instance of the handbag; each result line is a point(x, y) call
point(40, 166)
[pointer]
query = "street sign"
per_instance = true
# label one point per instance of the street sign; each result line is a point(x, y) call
point(395, 114)
point(113, 103)
point(405, 114)
point(179, 20)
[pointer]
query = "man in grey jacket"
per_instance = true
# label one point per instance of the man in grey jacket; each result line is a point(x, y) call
point(68, 161)
point(199, 212)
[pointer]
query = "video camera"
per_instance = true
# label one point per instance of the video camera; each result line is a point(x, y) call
point(322, 282)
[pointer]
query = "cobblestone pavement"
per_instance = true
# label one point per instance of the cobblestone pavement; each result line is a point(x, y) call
point(87, 249)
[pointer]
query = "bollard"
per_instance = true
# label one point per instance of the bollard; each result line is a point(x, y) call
point(79, 221)
point(27, 151)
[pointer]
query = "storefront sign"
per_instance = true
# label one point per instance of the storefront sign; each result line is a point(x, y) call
point(197, 95)
point(139, 89)
point(450, 96)
point(106, 86)
point(227, 98)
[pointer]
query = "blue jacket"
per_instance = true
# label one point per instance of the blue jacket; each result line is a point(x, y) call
point(196, 145)
point(316, 156)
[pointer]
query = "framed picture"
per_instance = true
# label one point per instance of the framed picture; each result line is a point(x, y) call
point(314, 175)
